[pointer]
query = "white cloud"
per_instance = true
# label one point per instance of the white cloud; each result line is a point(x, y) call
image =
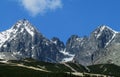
point(36, 7)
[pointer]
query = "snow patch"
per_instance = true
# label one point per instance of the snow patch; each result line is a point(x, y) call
point(4, 46)
point(66, 53)
point(101, 29)
point(55, 42)
point(111, 39)
point(46, 43)
point(12, 55)
point(33, 47)
point(70, 58)
point(16, 53)
point(112, 29)
point(30, 30)
point(22, 30)
point(4, 36)
point(79, 39)
point(18, 25)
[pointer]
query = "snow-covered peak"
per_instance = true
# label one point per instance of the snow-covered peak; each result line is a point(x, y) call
point(22, 25)
point(111, 29)
point(102, 29)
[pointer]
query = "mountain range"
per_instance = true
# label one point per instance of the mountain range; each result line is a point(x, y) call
point(23, 40)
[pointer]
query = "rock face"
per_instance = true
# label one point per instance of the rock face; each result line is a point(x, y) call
point(24, 41)
point(102, 46)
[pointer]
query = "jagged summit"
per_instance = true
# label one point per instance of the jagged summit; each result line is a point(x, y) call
point(98, 44)
point(22, 40)
point(103, 28)
point(22, 28)
point(24, 24)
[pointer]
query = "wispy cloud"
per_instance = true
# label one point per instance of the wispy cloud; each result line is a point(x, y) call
point(35, 7)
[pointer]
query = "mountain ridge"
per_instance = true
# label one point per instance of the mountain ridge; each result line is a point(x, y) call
point(96, 45)
point(23, 40)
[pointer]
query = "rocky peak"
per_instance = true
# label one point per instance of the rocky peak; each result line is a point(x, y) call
point(103, 35)
point(24, 25)
point(24, 41)
point(55, 40)
point(73, 38)
point(21, 24)
point(59, 44)
point(73, 43)
point(103, 30)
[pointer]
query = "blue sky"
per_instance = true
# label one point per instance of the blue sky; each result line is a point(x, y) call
point(61, 18)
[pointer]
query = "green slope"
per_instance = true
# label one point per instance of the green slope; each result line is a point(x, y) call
point(107, 69)
point(53, 67)
point(11, 69)
point(15, 71)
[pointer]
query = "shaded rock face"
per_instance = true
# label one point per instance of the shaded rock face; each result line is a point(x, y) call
point(59, 44)
point(96, 48)
point(73, 44)
point(24, 41)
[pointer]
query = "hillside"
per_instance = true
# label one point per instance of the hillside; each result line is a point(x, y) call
point(107, 69)
point(33, 68)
